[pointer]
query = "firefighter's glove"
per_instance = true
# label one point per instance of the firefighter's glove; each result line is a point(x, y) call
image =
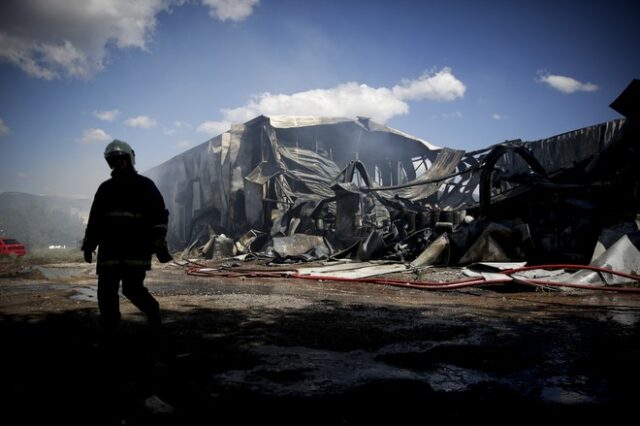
point(162, 252)
point(87, 249)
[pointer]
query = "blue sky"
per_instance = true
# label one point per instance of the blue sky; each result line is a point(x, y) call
point(166, 75)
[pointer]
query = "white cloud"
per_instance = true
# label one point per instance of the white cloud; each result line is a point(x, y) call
point(235, 10)
point(497, 116)
point(184, 144)
point(177, 127)
point(4, 129)
point(441, 86)
point(214, 128)
point(50, 39)
point(565, 84)
point(90, 136)
point(141, 121)
point(110, 115)
point(45, 59)
point(353, 99)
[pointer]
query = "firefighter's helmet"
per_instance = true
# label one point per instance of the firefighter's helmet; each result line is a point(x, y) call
point(119, 148)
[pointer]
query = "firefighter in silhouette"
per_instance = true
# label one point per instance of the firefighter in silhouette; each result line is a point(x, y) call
point(128, 224)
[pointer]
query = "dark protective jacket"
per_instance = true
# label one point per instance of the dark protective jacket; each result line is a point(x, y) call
point(127, 222)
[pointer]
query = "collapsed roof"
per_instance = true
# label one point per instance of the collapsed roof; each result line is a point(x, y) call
point(310, 187)
point(234, 181)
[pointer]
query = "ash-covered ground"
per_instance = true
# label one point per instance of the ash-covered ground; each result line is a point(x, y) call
point(240, 350)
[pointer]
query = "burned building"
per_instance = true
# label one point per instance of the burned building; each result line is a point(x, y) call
point(311, 187)
point(251, 175)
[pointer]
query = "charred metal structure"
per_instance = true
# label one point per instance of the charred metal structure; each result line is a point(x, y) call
point(300, 188)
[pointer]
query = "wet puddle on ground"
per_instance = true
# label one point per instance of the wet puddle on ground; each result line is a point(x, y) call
point(62, 273)
point(85, 294)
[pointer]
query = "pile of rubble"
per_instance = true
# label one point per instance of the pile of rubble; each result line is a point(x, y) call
point(292, 191)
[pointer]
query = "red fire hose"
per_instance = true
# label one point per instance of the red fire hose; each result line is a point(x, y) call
point(202, 271)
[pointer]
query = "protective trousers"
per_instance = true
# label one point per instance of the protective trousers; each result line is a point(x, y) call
point(133, 289)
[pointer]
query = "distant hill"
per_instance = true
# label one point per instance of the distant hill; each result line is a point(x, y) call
point(41, 220)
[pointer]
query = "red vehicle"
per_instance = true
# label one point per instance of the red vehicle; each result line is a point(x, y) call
point(11, 246)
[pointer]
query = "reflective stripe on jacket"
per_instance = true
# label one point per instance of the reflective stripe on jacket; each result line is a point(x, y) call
point(128, 213)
